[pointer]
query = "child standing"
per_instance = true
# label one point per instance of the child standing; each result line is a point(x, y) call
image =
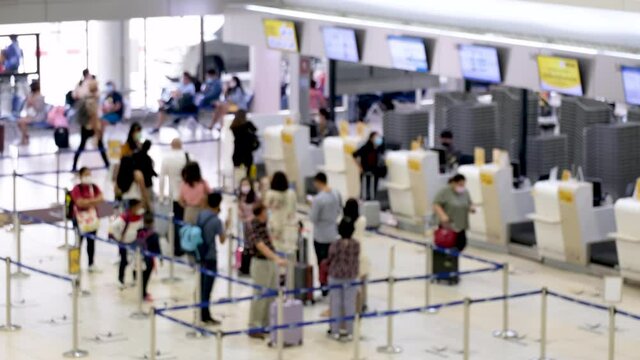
point(344, 263)
point(124, 229)
point(148, 240)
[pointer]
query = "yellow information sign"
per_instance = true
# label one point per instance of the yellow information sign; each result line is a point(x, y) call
point(638, 189)
point(349, 149)
point(479, 156)
point(414, 164)
point(287, 137)
point(486, 178)
point(566, 175)
point(565, 195)
point(343, 128)
point(281, 34)
point(74, 261)
point(560, 74)
point(361, 129)
point(114, 149)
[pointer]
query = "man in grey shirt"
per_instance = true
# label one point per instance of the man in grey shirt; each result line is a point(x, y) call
point(325, 210)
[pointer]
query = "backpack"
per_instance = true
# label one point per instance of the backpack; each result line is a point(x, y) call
point(191, 239)
point(83, 115)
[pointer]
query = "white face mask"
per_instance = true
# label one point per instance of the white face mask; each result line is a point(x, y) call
point(460, 189)
point(86, 180)
point(245, 189)
point(140, 212)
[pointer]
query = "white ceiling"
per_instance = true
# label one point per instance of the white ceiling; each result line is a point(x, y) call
point(626, 5)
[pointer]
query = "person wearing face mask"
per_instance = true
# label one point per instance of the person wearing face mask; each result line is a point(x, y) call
point(452, 155)
point(182, 101)
point(134, 140)
point(112, 105)
point(324, 126)
point(235, 98)
point(124, 229)
point(247, 199)
point(370, 160)
point(452, 207)
point(85, 197)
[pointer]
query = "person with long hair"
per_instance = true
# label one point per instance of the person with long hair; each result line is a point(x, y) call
point(90, 124)
point(134, 140)
point(351, 213)
point(194, 192)
point(235, 98)
point(36, 111)
point(281, 202)
point(245, 141)
point(130, 184)
point(370, 160)
point(86, 197)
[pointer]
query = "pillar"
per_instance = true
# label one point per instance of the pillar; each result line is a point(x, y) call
point(264, 65)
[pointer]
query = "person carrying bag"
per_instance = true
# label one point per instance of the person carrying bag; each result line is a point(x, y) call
point(84, 199)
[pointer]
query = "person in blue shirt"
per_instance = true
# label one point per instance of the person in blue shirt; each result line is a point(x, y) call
point(182, 101)
point(12, 56)
point(112, 105)
point(235, 98)
point(212, 228)
point(211, 90)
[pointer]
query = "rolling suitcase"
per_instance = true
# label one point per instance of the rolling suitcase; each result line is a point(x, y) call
point(303, 272)
point(61, 137)
point(2, 139)
point(445, 263)
point(292, 312)
point(371, 211)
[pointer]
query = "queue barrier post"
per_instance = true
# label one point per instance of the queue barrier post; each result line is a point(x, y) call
point(230, 265)
point(427, 283)
point(152, 335)
point(390, 348)
point(356, 336)
point(219, 345)
point(612, 333)
point(14, 182)
point(543, 325)
point(65, 222)
point(8, 326)
point(279, 332)
point(19, 274)
point(75, 352)
point(197, 297)
point(139, 314)
point(171, 234)
point(57, 178)
point(505, 332)
point(467, 326)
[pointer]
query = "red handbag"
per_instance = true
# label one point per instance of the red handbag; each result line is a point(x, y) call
point(445, 238)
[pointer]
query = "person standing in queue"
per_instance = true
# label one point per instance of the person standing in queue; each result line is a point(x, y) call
point(452, 206)
point(344, 263)
point(145, 164)
point(134, 140)
point(281, 202)
point(86, 196)
point(264, 268)
point(90, 124)
point(130, 184)
point(326, 208)
point(370, 160)
point(212, 228)
point(171, 171)
point(194, 191)
point(351, 213)
point(245, 141)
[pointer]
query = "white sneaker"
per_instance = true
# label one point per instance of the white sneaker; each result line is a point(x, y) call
point(93, 270)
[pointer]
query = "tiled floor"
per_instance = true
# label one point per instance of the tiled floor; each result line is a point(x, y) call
point(43, 305)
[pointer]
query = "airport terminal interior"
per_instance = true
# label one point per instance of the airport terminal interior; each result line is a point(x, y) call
point(305, 179)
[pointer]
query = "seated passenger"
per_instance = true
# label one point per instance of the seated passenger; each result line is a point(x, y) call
point(235, 98)
point(182, 101)
point(112, 105)
point(211, 90)
point(324, 126)
point(36, 112)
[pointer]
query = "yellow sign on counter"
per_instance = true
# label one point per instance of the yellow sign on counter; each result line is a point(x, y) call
point(361, 129)
point(560, 74)
point(566, 175)
point(343, 128)
point(348, 149)
point(638, 189)
point(486, 178)
point(479, 156)
point(114, 149)
point(287, 137)
point(414, 164)
point(565, 195)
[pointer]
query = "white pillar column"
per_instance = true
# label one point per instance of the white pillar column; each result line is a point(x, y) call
point(106, 51)
point(264, 65)
point(299, 84)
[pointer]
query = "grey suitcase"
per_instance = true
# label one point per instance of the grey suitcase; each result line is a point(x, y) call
point(371, 211)
point(292, 312)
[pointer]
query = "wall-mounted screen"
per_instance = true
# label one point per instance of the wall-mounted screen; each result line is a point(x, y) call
point(408, 53)
point(560, 74)
point(19, 54)
point(281, 34)
point(631, 83)
point(340, 44)
point(480, 63)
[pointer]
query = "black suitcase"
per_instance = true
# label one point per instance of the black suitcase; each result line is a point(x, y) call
point(61, 137)
point(2, 139)
point(444, 263)
point(303, 272)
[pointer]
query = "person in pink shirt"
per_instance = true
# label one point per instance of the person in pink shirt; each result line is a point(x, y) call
point(194, 191)
point(316, 97)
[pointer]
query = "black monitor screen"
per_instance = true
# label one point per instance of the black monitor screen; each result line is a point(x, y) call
point(19, 54)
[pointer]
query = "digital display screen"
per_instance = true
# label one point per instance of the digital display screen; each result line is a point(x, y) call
point(631, 83)
point(281, 34)
point(408, 53)
point(560, 74)
point(19, 54)
point(480, 63)
point(340, 44)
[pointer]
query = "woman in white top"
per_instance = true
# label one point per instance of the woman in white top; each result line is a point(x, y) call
point(351, 213)
point(281, 203)
point(130, 183)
